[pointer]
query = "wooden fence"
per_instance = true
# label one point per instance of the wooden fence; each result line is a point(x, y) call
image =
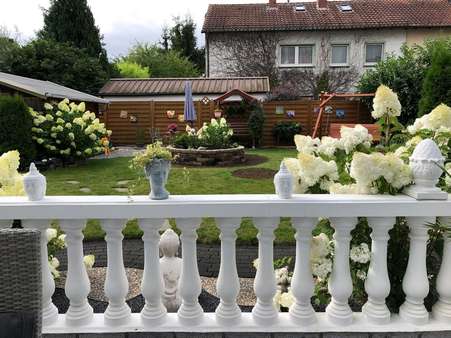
point(134, 122)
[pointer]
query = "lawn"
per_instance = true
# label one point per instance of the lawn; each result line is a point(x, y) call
point(103, 177)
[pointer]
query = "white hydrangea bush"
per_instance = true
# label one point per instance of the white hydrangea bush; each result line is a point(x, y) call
point(68, 130)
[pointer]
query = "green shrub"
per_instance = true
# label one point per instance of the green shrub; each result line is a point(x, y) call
point(284, 131)
point(15, 129)
point(437, 82)
point(67, 131)
point(186, 141)
point(255, 124)
point(132, 70)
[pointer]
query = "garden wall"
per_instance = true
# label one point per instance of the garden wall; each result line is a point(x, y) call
point(134, 122)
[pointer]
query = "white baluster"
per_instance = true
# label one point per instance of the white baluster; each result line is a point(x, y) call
point(116, 283)
point(190, 312)
point(340, 282)
point(442, 309)
point(302, 285)
point(154, 312)
point(264, 312)
point(77, 283)
point(415, 283)
point(377, 284)
point(228, 284)
point(49, 310)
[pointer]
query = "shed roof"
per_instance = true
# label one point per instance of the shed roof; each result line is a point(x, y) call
point(46, 89)
point(176, 86)
point(364, 14)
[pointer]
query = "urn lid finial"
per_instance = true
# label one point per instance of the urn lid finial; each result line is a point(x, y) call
point(427, 150)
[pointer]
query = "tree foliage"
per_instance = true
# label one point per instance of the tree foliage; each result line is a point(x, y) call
point(255, 123)
point(132, 70)
point(15, 128)
point(61, 63)
point(8, 47)
point(182, 36)
point(436, 87)
point(71, 21)
point(161, 63)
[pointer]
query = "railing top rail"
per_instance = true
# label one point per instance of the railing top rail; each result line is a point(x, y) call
point(128, 207)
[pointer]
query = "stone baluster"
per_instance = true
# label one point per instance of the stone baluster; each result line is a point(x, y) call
point(442, 309)
point(190, 312)
point(49, 310)
point(302, 285)
point(377, 284)
point(415, 283)
point(154, 312)
point(77, 283)
point(264, 312)
point(116, 283)
point(228, 284)
point(340, 282)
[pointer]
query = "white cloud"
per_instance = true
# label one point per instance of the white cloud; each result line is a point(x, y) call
point(121, 22)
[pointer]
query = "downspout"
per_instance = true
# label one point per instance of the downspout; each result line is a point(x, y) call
point(207, 56)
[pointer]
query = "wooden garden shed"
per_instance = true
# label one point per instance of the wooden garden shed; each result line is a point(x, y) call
point(36, 92)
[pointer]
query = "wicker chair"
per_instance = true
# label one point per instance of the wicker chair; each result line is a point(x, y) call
point(20, 283)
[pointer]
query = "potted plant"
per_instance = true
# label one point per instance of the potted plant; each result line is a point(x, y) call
point(156, 162)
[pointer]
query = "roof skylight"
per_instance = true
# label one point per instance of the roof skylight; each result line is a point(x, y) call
point(300, 8)
point(345, 7)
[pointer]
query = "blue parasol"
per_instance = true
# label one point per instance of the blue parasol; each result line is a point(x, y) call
point(189, 111)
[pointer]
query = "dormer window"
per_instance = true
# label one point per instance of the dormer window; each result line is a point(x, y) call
point(299, 8)
point(345, 8)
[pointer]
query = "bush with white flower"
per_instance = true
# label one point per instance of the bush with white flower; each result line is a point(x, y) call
point(11, 182)
point(68, 130)
point(214, 135)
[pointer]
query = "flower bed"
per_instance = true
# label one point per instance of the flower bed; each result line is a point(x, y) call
point(208, 157)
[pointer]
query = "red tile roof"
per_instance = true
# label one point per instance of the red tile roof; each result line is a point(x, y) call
point(176, 86)
point(365, 14)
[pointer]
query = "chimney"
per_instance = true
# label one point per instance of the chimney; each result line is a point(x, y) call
point(322, 4)
point(272, 3)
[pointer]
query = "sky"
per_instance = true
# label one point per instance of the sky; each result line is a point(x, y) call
point(122, 22)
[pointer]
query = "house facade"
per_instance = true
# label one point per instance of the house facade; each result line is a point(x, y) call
point(314, 36)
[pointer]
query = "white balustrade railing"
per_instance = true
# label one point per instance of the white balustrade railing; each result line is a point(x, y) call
point(113, 212)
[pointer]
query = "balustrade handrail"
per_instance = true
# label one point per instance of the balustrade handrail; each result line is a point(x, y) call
point(188, 210)
point(258, 205)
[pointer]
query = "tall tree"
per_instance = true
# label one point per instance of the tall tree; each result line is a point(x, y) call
point(184, 41)
point(61, 63)
point(71, 21)
point(8, 46)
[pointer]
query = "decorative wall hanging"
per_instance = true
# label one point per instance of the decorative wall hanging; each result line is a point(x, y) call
point(206, 100)
point(291, 114)
point(280, 110)
point(123, 114)
point(133, 119)
point(340, 113)
point(181, 118)
point(170, 114)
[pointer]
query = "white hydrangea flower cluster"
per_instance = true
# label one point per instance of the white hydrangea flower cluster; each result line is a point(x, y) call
point(350, 138)
point(11, 182)
point(360, 253)
point(385, 103)
point(448, 177)
point(438, 119)
point(368, 168)
point(69, 130)
point(306, 144)
point(320, 256)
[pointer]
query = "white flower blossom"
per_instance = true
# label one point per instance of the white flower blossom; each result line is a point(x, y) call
point(51, 234)
point(350, 138)
point(385, 103)
point(306, 144)
point(360, 253)
point(89, 261)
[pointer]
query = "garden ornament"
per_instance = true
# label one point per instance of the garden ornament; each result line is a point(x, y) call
point(157, 171)
point(35, 184)
point(171, 267)
point(283, 182)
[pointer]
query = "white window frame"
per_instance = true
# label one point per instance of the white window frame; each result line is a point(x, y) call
point(339, 44)
point(296, 56)
point(370, 64)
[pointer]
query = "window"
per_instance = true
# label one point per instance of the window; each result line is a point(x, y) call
point(301, 55)
point(345, 8)
point(339, 55)
point(300, 8)
point(374, 53)
point(288, 55)
point(305, 55)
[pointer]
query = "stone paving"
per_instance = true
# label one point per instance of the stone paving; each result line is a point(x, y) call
point(122, 151)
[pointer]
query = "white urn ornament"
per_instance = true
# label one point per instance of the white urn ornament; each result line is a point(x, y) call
point(35, 184)
point(426, 164)
point(283, 182)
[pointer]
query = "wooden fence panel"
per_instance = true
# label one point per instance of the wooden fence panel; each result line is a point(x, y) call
point(152, 115)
